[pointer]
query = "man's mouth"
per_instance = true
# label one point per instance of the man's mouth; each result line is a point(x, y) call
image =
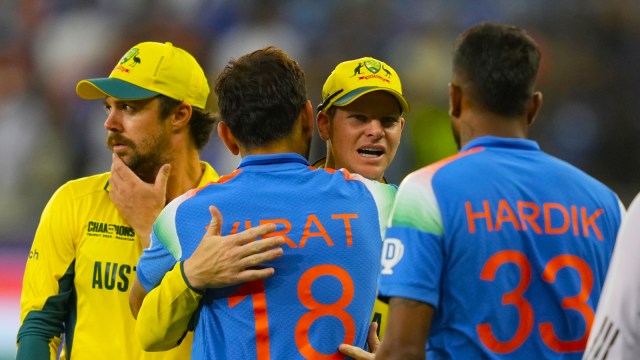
point(371, 152)
point(118, 143)
point(118, 147)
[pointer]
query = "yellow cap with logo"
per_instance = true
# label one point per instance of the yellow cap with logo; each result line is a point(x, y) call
point(147, 70)
point(354, 78)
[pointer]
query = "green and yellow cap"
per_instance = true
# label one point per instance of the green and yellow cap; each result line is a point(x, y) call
point(147, 70)
point(354, 78)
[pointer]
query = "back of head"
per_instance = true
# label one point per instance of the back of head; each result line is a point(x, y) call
point(260, 96)
point(498, 64)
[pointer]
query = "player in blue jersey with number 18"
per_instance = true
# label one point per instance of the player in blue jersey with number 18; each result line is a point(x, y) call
point(501, 251)
point(323, 288)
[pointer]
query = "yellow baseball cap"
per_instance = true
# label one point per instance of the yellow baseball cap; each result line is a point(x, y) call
point(354, 78)
point(147, 70)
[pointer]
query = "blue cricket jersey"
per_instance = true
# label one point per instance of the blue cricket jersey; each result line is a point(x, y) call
point(509, 244)
point(325, 284)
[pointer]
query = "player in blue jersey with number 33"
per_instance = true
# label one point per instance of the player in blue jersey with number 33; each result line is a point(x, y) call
point(501, 251)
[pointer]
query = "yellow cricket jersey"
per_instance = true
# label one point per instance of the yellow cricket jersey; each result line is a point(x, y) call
point(380, 309)
point(78, 276)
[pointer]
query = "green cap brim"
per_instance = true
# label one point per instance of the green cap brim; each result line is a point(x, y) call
point(349, 97)
point(92, 89)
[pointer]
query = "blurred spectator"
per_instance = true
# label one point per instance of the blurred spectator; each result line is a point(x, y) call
point(31, 152)
point(46, 135)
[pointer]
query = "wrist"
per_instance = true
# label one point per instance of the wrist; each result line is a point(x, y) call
point(191, 282)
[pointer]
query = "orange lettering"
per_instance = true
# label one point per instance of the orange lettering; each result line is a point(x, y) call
point(574, 220)
point(505, 214)
point(548, 227)
point(320, 233)
point(347, 225)
point(529, 218)
point(590, 221)
point(235, 227)
point(471, 216)
point(283, 233)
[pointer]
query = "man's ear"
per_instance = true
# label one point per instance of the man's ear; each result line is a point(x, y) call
point(455, 100)
point(181, 115)
point(322, 120)
point(534, 106)
point(227, 138)
point(307, 121)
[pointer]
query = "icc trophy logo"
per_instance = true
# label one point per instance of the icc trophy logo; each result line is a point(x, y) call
point(392, 251)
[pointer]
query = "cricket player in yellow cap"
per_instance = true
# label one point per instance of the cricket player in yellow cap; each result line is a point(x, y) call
point(361, 121)
point(75, 295)
point(361, 117)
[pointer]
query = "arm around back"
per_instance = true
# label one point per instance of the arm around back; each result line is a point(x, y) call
point(164, 316)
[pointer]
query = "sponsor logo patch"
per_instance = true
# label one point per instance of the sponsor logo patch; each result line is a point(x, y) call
point(110, 231)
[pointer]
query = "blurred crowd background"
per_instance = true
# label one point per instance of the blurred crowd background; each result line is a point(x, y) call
point(590, 80)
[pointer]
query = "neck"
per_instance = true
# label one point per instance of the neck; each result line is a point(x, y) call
point(289, 145)
point(329, 162)
point(186, 173)
point(477, 125)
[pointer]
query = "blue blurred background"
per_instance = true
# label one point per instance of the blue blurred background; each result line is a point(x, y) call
point(589, 78)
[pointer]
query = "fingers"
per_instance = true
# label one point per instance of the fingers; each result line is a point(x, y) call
point(118, 167)
point(121, 173)
point(253, 233)
point(372, 337)
point(163, 177)
point(261, 245)
point(255, 274)
point(216, 222)
point(355, 352)
point(255, 259)
point(359, 354)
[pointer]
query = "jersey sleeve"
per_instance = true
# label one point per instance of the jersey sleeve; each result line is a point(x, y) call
point(412, 253)
point(165, 249)
point(383, 195)
point(616, 328)
point(166, 312)
point(48, 279)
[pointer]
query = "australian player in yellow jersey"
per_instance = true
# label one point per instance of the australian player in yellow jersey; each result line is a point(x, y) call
point(92, 231)
point(361, 120)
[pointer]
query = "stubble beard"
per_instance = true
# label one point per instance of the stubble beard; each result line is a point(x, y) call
point(146, 165)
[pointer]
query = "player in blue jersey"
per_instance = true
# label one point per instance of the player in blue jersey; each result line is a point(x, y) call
point(499, 252)
point(322, 291)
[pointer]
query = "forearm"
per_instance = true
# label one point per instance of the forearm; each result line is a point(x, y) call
point(137, 295)
point(34, 346)
point(407, 330)
point(166, 312)
point(43, 311)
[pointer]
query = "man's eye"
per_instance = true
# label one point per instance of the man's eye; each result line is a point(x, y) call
point(389, 122)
